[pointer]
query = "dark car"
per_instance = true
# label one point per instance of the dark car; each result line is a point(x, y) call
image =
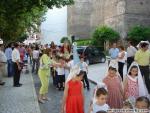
point(92, 54)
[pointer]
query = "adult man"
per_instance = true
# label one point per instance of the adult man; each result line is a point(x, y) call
point(3, 62)
point(8, 53)
point(16, 65)
point(113, 52)
point(131, 50)
point(142, 57)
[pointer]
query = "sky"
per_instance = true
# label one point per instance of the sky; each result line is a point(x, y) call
point(55, 26)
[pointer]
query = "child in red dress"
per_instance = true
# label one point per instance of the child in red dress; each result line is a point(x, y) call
point(73, 100)
point(115, 88)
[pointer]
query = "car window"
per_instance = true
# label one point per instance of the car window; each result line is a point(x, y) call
point(80, 50)
point(96, 51)
point(87, 51)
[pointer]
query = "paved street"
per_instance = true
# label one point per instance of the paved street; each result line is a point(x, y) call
point(96, 73)
point(24, 99)
point(53, 106)
point(19, 100)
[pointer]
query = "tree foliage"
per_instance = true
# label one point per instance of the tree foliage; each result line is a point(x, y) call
point(103, 34)
point(138, 33)
point(65, 39)
point(83, 42)
point(18, 16)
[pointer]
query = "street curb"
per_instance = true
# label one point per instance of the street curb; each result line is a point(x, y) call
point(37, 107)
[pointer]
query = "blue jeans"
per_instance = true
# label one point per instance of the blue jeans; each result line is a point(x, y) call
point(10, 68)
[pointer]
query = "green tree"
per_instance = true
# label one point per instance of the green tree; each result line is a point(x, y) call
point(103, 34)
point(138, 33)
point(18, 16)
point(64, 39)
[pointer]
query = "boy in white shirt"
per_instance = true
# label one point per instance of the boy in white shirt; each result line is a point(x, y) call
point(61, 73)
point(84, 67)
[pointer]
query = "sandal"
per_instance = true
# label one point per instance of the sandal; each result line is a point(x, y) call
point(47, 99)
point(41, 101)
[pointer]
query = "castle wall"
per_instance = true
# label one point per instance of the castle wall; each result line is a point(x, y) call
point(121, 15)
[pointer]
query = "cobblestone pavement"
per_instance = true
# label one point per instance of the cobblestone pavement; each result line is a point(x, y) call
point(19, 100)
point(53, 106)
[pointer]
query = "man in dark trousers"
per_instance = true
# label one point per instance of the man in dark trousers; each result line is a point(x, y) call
point(16, 65)
point(142, 57)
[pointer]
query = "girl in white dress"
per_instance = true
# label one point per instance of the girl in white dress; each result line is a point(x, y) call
point(99, 100)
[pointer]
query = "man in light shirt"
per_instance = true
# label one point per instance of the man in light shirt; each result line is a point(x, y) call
point(142, 57)
point(3, 62)
point(16, 65)
point(113, 53)
point(131, 50)
point(8, 53)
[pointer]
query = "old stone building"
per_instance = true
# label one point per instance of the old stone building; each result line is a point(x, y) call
point(85, 15)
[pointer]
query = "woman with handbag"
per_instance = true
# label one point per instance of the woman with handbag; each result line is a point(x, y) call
point(44, 75)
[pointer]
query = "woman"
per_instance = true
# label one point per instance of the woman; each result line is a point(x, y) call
point(121, 60)
point(44, 74)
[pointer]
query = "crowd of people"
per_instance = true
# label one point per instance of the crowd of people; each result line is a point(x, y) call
point(69, 73)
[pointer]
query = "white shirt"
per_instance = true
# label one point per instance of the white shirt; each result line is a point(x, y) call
point(60, 71)
point(84, 66)
point(15, 55)
point(3, 58)
point(131, 51)
point(36, 54)
point(70, 64)
point(124, 58)
point(97, 108)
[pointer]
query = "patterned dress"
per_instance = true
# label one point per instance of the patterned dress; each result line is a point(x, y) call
point(131, 88)
point(115, 91)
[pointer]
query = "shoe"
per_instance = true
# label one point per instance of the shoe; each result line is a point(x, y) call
point(59, 89)
point(88, 88)
point(41, 101)
point(46, 99)
point(2, 83)
point(17, 85)
point(20, 84)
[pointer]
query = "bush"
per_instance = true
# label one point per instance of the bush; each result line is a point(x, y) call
point(64, 39)
point(138, 33)
point(103, 34)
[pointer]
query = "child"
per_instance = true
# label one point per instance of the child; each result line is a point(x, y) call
point(73, 100)
point(134, 85)
point(61, 73)
point(128, 107)
point(115, 89)
point(100, 102)
point(53, 70)
point(84, 67)
point(143, 103)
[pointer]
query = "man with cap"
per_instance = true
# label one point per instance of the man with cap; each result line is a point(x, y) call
point(3, 62)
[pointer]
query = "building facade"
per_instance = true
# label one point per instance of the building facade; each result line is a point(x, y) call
point(85, 15)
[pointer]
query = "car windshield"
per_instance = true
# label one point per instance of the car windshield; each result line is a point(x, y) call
point(80, 50)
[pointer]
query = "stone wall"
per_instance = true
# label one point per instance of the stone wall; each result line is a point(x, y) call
point(121, 15)
point(79, 19)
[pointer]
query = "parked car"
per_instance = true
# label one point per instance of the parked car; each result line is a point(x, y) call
point(92, 54)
